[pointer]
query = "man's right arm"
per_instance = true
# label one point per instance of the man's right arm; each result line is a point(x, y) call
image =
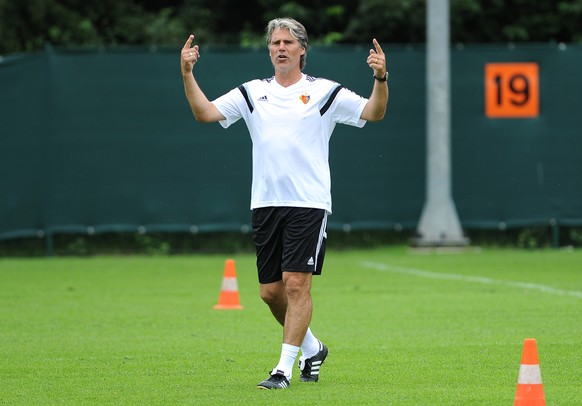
point(203, 110)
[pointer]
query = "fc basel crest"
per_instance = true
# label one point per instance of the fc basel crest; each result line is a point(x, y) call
point(305, 98)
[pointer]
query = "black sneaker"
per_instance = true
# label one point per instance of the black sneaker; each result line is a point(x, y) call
point(277, 380)
point(310, 366)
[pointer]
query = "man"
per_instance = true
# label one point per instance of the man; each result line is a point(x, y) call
point(290, 118)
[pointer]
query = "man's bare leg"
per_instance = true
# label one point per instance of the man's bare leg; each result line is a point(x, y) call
point(290, 303)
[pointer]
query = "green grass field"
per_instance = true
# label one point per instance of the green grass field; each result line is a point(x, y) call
point(403, 328)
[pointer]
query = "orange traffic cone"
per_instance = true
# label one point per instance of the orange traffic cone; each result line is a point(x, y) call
point(228, 298)
point(530, 391)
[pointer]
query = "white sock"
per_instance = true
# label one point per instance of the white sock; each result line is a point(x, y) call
point(310, 345)
point(287, 361)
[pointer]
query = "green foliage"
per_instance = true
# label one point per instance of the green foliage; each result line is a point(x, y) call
point(152, 245)
point(533, 237)
point(575, 236)
point(393, 21)
point(163, 27)
point(165, 244)
point(27, 25)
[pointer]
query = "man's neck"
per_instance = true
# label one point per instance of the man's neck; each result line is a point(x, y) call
point(287, 79)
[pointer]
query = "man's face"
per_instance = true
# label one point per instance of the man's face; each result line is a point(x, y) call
point(285, 51)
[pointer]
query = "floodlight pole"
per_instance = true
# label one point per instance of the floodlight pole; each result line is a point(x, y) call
point(439, 223)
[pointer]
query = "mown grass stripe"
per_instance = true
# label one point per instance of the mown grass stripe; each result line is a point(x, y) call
point(472, 279)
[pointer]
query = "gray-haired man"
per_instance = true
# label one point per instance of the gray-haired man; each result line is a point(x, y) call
point(290, 117)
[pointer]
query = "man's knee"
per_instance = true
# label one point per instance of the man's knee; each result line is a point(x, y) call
point(269, 297)
point(297, 283)
point(273, 293)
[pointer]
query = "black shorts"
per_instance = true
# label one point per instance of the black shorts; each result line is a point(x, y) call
point(289, 239)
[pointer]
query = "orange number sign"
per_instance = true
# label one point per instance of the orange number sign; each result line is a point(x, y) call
point(512, 90)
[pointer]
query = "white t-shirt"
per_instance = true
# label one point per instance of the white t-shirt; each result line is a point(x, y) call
point(290, 128)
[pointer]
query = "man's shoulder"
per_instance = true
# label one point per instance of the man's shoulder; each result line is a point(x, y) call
point(320, 81)
point(263, 81)
point(258, 83)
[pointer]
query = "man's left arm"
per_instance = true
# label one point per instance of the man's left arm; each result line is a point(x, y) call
point(375, 108)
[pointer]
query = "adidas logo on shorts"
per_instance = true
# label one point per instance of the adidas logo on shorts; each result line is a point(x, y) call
point(311, 262)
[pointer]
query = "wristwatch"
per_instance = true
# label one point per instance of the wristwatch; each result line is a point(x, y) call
point(381, 78)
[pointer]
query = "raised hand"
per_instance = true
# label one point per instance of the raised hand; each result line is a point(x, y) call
point(189, 55)
point(377, 60)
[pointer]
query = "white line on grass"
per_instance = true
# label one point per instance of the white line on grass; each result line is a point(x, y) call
point(472, 279)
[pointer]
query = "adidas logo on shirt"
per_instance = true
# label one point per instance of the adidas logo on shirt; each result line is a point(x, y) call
point(264, 98)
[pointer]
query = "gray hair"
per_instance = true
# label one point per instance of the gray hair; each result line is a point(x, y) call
point(296, 29)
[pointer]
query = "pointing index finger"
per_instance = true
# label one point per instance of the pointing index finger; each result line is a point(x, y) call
point(377, 46)
point(188, 43)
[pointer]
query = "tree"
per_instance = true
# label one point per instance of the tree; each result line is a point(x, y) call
point(26, 25)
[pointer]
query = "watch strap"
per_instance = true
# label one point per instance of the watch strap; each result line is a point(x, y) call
point(381, 78)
